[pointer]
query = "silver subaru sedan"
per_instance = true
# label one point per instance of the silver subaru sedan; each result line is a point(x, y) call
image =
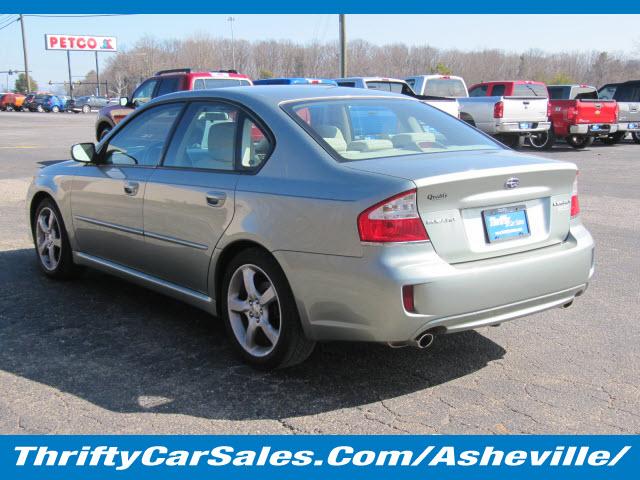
point(302, 214)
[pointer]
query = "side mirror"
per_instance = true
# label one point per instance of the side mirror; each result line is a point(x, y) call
point(83, 152)
point(124, 101)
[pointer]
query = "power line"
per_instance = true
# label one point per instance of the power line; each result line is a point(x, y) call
point(8, 24)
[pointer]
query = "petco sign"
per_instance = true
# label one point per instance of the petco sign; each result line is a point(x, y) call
point(88, 43)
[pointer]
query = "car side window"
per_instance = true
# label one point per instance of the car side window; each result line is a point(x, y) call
point(209, 136)
point(141, 141)
point(144, 92)
point(498, 91)
point(168, 85)
point(479, 91)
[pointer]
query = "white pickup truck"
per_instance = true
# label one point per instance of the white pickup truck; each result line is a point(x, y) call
point(509, 110)
point(448, 105)
point(441, 91)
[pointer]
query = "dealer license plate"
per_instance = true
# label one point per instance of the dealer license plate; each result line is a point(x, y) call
point(506, 223)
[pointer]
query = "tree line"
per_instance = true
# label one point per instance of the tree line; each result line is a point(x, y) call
point(259, 59)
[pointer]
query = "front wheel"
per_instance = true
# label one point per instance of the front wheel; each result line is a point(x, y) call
point(39, 108)
point(9, 108)
point(52, 242)
point(260, 312)
point(543, 140)
point(579, 141)
point(636, 137)
point(86, 109)
point(55, 109)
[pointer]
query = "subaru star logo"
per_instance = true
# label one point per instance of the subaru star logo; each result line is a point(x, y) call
point(513, 182)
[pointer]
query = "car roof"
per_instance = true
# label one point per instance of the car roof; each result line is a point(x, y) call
point(372, 79)
point(276, 94)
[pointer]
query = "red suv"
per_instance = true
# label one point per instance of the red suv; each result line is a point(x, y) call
point(162, 83)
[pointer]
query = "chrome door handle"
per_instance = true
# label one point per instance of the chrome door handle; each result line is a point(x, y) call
point(131, 188)
point(216, 199)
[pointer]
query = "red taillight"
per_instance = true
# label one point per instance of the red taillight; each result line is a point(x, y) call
point(575, 204)
point(572, 113)
point(498, 110)
point(407, 298)
point(395, 219)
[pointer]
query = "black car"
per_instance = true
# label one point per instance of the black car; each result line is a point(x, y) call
point(87, 103)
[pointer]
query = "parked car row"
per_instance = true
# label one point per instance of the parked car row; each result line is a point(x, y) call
point(48, 102)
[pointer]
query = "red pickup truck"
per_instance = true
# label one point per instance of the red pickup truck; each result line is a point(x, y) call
point(577, 115)
point(162, 83)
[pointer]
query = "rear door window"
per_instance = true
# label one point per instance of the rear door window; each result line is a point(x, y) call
point(168, 85)
point(498, 90)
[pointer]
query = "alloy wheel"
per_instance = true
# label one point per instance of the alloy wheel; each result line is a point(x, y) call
point(48, 239)
point(254, 310)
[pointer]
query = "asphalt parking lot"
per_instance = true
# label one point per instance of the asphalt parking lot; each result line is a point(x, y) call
point(98, 355)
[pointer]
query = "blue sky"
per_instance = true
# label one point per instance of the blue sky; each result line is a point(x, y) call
point(509, 32)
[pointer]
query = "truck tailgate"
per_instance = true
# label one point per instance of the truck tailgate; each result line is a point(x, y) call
point(530, 109)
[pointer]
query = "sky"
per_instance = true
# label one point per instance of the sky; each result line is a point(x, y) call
point(553, 33)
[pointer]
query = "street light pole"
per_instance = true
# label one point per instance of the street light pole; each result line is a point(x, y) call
point(343, 46)
point(233, 50)
point(24, 51)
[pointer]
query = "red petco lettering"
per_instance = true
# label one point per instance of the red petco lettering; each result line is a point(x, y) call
point(80, 42)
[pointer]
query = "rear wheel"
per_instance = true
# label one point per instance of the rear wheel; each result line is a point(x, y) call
point(260, 312)
point(579, 141)
point(636, 137)
point(9, 108)
point(86, 109)
point(52, 242)
point(55, 109)
point(39, 108)
point(543, 140)
point(613, 138)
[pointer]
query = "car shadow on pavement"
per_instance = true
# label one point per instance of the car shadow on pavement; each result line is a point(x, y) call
point(127, 349)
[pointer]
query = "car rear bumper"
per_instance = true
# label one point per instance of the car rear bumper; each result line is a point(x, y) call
point(514, 127)
point(360, 299)
point(629, 126)
point(594, 129)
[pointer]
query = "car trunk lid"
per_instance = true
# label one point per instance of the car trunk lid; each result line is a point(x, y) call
point(466, 198)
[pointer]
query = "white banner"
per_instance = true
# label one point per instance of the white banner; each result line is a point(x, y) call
point(89, 43)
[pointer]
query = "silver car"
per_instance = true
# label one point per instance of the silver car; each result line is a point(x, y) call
point(303, 214)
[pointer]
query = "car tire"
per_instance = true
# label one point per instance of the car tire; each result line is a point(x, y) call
point(103, 132)
point(9, 108)
point(39, 108)
point(579, 141)
point(511, 141)
point(543, 140)
point(55, 109)
point(51, 242)
point(260, 312)
point(86, 109)
point(636, 137)
point(613, 138)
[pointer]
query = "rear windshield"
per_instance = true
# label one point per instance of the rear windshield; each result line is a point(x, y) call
point(559, 93)
point(395, 87)
point(42, 97)
point(207, 83)
point(529, 90)
point(445, 87)
point(363, 128)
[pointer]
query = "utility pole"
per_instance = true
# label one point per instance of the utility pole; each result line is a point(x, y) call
point(97, 73)
point(70, 80)
point(233, 50)
point(343, 46)
point(24, 51)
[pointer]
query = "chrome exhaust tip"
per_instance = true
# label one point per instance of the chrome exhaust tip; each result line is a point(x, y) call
point(424, 340)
